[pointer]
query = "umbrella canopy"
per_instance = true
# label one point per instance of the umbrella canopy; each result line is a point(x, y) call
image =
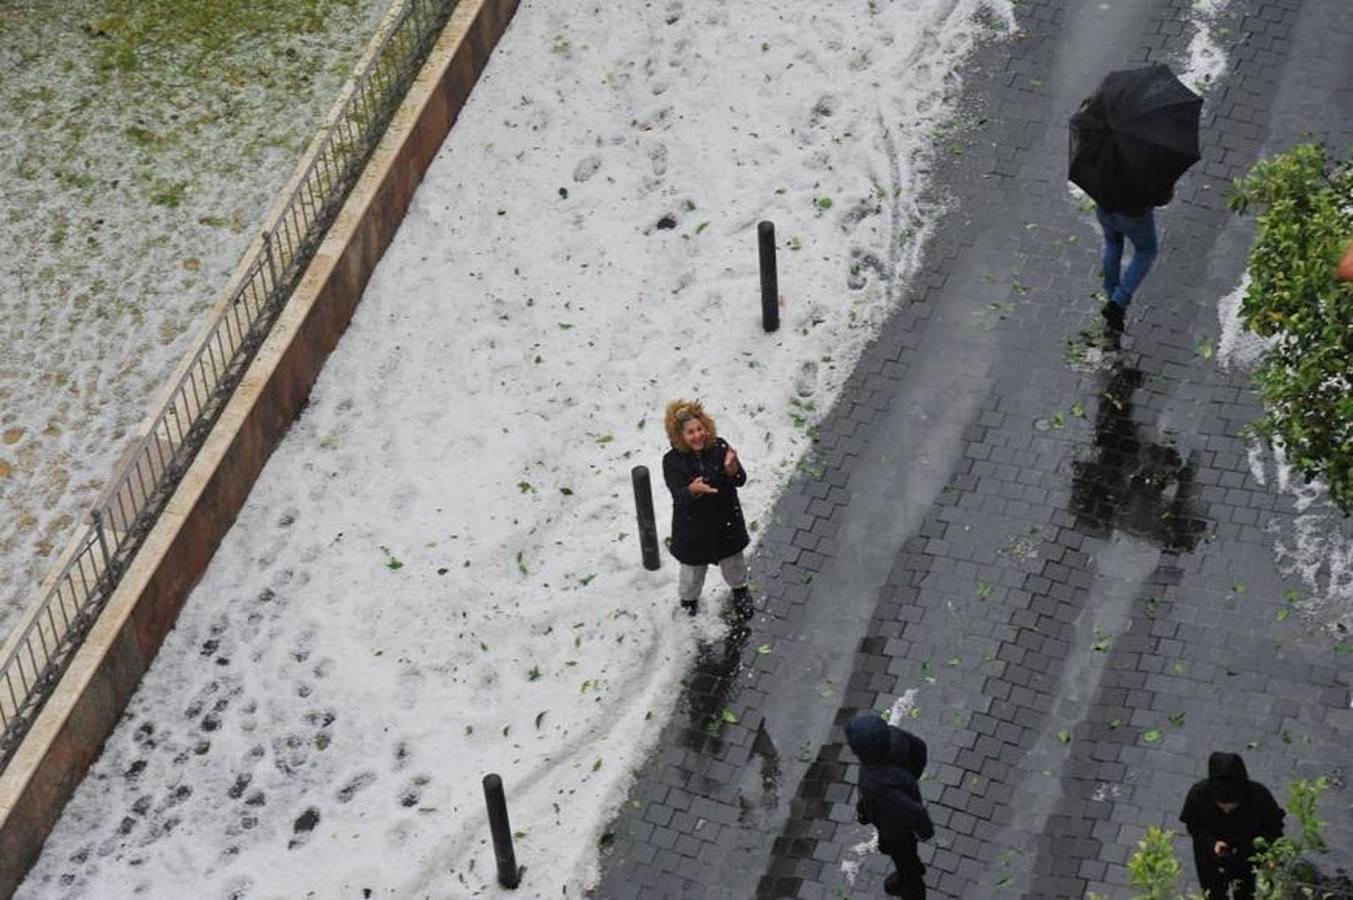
point(1133, 137)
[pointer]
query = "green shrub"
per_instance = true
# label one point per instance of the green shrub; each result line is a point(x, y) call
point(1282, 870)
point(1153, 868)
point(1305, 221)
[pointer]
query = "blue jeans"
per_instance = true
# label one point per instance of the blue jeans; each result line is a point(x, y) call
point(1141, 230)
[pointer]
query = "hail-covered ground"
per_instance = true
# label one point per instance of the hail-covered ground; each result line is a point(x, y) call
point(140, 146)
point(437, 575)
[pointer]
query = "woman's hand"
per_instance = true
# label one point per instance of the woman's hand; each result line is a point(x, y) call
point(730, 463)
point(699, 486)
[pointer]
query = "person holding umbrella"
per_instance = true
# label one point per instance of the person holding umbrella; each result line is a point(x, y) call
point(1139, 227)
point(1130, 141)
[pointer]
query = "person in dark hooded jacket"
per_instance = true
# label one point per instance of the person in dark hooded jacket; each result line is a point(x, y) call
point(703, 474)
point(891, 762)
point(1225, 813)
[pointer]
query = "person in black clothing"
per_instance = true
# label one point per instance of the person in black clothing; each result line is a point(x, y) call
point(704, 473)
point(891, 763)
point(1225, 813)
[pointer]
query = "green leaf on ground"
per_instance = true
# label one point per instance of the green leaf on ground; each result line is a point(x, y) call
point(1151, 735)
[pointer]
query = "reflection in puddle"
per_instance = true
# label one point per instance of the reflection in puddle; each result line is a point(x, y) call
point(711, 688)
point(1141, 488)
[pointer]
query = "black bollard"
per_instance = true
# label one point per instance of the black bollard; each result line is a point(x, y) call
point(508, 875)
point(648, 528)
point(770, 283)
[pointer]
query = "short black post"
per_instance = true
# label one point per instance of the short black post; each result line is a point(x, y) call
point(508, 876)
point(770, 283)
point(643, 506)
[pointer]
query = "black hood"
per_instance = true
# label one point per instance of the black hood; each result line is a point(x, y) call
point(1226, 776)
point(868, 736)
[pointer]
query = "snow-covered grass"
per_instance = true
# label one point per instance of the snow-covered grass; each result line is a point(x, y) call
point(437, 575)
point(143, 140)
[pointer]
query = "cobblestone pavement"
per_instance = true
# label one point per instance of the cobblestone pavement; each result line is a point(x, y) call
point(1058, 556)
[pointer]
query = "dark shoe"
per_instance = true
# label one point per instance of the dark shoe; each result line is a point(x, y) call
point(743, 605)
point(892, 885)
point(691, 606)
point(1114, 315)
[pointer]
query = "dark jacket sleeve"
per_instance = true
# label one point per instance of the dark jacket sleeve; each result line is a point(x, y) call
point(905, 816)
point(897, 813)
point(1192, 817)
point(676, 481)
point(721, 478)
point(1271, 817)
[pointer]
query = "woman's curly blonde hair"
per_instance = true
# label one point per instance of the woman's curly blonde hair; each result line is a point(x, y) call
point(679, 412)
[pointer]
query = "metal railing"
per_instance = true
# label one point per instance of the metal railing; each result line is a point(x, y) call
point(134, 498)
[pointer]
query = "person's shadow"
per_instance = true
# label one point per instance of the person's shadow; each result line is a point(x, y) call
point(1142, 488)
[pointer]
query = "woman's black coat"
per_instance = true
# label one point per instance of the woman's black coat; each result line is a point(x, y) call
point(705, 527)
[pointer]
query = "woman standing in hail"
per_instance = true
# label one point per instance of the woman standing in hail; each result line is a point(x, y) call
point(704, 474)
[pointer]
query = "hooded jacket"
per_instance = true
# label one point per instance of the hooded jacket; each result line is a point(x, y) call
point(705, 527)
point(1258, 815)
point(890, 798)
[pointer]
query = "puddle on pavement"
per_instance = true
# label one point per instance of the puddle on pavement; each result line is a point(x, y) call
point(711, 687)
point(1133, 485)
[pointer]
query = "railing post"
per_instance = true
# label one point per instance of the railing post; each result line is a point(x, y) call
point(508, 874)
point(643, 507)
point(770, 287)
point(97, 516)
point(272, 262)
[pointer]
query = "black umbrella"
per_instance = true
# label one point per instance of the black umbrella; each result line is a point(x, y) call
point(1133, 137)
